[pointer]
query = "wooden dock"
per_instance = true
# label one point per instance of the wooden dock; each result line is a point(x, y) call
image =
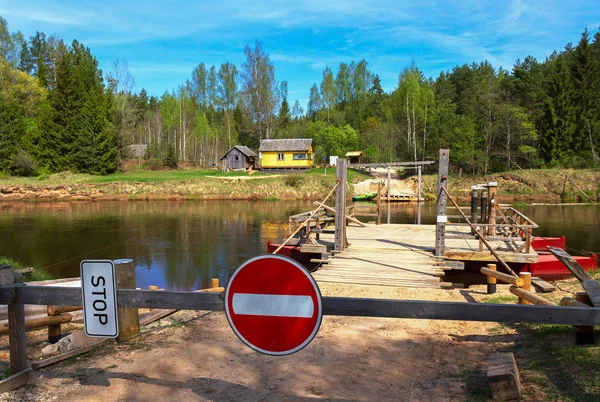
point(403, 255)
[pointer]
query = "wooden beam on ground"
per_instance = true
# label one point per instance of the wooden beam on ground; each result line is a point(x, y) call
point(16, 380)
point(55, 359)
point(503, 277)
point(530, 297)
point(503, 377)
point(542, 285)
point(591, 286)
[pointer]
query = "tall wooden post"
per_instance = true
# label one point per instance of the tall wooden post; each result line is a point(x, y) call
point(389, 191)
point(16, 338)
point(129, 319)
point(492, 201)
point(379, 203)
point(419, 196)
point(442, 218)
point(340, 206)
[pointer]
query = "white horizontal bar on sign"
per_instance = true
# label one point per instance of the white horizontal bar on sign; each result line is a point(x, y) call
point(273, 305)
point(442, 218)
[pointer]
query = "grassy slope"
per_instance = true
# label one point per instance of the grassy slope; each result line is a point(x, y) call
point(188, 184)
point(36, 275)
point(526, 184)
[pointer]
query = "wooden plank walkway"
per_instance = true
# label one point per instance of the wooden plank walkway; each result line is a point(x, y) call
point(402, 255)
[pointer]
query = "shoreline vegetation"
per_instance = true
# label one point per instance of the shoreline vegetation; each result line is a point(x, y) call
point(548, 185)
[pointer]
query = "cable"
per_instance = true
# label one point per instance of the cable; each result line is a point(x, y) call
point(107, 247)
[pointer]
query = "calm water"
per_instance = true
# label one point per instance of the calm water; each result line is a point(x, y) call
point(181, 245)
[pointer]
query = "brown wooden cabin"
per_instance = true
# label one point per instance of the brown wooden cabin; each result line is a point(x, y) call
point(239, 157)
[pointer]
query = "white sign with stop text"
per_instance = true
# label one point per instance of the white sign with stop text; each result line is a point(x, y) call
point(99, 294)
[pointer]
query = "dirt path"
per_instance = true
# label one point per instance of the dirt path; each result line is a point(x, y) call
point(351, 359)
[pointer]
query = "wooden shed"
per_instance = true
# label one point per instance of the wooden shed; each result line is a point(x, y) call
point(354, 156)
point(239, 157)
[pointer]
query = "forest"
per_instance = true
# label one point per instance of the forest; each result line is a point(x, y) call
point(60, 112)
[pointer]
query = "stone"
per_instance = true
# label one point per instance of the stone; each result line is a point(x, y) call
point(50, 350)
point(503, 377)
point(76, 340)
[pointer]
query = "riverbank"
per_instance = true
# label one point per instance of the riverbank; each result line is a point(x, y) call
point(194, 355)
point(547, 185)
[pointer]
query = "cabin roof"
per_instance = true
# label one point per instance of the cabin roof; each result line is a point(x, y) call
point(243, 149)
point(354, 153)
point(298, 144)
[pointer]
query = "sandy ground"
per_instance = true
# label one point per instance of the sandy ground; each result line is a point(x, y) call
point(195, 356)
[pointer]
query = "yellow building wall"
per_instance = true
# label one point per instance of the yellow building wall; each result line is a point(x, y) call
point(269, 160)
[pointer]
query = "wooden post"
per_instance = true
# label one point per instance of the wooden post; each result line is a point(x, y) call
point(340, 206)
point(129, 319)
point(379, 203)
point(584, 334)
point(214, 283)
point(492, 201)
point(440, 226)
point(526, 276)
point(419, 196)
point(473, 208)
point(491, 281)
point(389, 191)
point(16, 338)
point(484, 204)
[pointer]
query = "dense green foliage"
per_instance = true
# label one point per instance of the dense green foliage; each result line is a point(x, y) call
point(58, 112)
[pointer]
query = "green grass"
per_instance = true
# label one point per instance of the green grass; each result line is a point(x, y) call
point(550, 362)
point(500, 299)
point(352, 175)
point(36, 275)
point(166, 175)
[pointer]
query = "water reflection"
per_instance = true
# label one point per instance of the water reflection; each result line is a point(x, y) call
point(182, 244)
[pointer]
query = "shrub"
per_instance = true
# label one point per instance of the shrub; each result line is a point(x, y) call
point(293, 180)
point(25, 165)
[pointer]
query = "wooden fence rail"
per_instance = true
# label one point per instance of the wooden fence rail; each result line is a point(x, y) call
point(341, 306)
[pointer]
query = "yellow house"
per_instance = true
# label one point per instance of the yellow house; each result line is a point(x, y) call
point(286, 154)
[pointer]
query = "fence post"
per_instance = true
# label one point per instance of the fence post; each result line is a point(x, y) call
point(492, 202)
point(440, 226)
point(340, 206)
point(129, 319)
point(526, 276)
point(491, 281)
point(379, 203)
point(419, 196)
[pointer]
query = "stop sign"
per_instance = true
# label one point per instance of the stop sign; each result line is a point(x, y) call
point(273, 305)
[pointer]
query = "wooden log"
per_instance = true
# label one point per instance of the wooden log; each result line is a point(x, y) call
point(129, 319)
point(212, 290)
point(569, 302)
point(526, 277)
point(34, 323)
point(583, 297)
point(56, 310)
point(16, 338)
point(592, 287)
point(531, 297)
point(503, 377)
point(16, 380)
point(501, 276)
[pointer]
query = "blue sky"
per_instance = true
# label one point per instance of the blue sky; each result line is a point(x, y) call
point(162, 42)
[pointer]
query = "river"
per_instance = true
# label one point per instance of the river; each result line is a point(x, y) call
point(180, 245)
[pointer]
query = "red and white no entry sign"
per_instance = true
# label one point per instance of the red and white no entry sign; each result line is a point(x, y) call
point(273, 305)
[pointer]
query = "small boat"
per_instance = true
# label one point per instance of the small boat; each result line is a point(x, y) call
point(365, 196)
